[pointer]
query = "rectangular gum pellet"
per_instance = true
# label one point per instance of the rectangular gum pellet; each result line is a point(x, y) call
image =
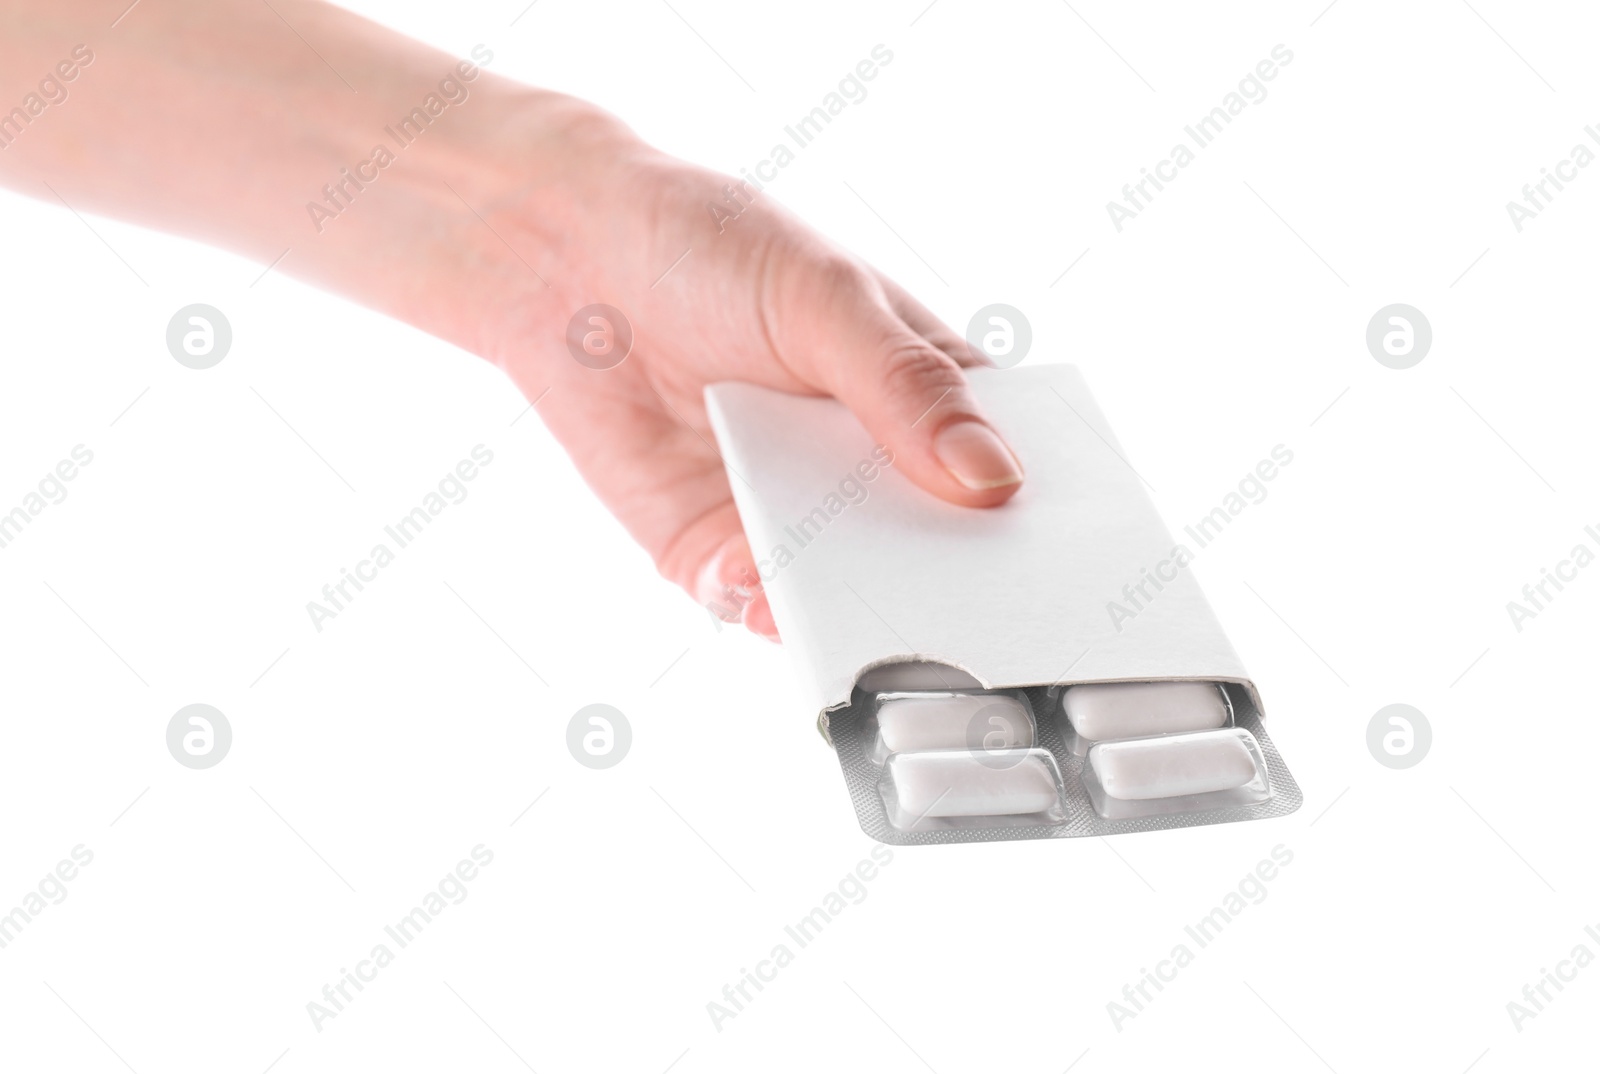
point(945, 784)
point(1112, 710)
point(910, 675)
point(952, 721)
point(1184, 765)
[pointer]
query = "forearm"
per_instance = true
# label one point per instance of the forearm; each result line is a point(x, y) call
point(506, 220)
point(290, 127)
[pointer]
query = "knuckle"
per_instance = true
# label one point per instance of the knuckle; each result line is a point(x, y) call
point(916, 367)
point(838, 273)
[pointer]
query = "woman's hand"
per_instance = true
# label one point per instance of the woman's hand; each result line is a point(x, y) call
point(745, 292)
point(508, 211)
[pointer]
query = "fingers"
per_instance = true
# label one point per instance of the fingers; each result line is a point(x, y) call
point(710, 558)
point(909, 392)
point(729, 586)
point(923, 321)
point(663, 481)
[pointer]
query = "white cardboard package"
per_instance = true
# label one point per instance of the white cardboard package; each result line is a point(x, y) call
point(864, 570)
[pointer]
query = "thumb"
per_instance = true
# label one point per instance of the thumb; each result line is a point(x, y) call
point(912, 396)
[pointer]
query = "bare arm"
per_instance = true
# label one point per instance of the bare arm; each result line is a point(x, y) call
point(488, 213)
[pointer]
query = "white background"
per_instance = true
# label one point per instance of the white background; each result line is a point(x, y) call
point(1224, 320)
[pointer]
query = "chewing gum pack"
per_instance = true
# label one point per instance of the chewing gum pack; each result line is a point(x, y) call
point(962, 662)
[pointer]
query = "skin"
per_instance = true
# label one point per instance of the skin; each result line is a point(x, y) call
point(222, 119)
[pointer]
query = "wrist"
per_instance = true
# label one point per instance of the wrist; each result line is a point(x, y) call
point(474, 226)
point(516, 202)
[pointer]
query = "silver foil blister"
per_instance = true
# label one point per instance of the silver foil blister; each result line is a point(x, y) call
point(867, 771)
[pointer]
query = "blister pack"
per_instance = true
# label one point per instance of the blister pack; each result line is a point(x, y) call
point(967, 765)
point(1043, 669)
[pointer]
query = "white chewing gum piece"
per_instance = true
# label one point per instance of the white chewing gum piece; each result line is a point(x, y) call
point(955, 783)
point(916, 675)
point(1103, 710)
point(952, 722)
point(1169, 767)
